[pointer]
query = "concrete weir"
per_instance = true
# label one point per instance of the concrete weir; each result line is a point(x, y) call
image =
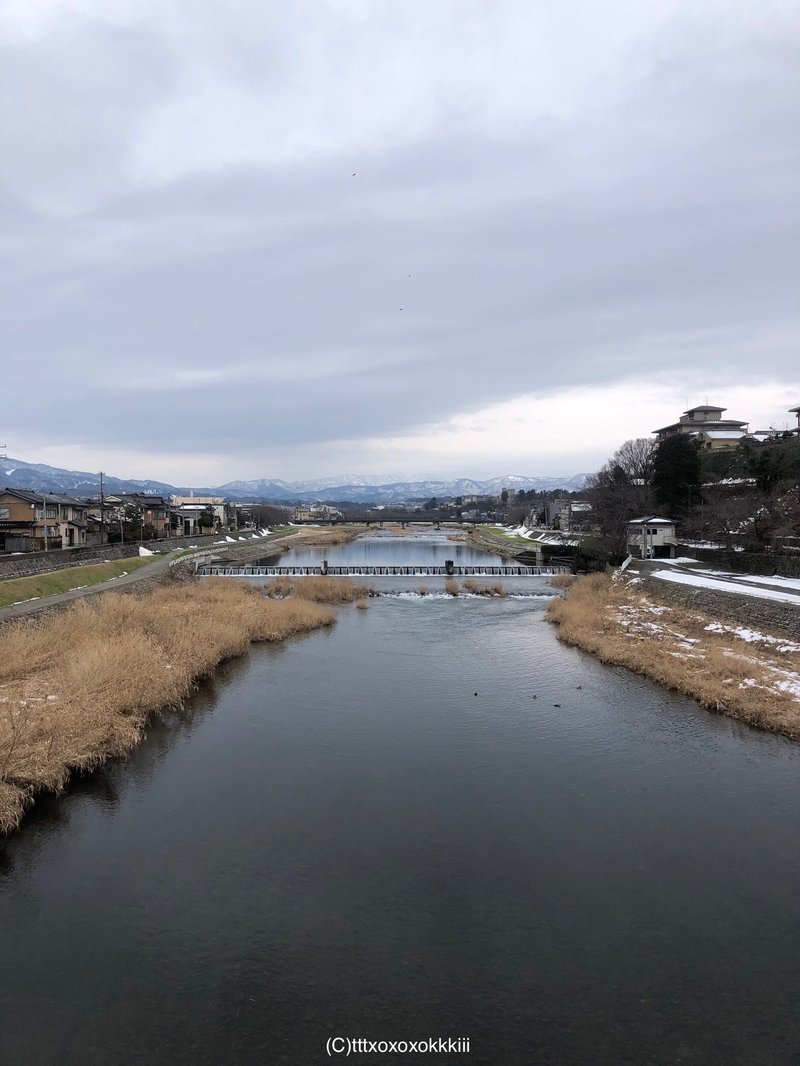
point(419, 570)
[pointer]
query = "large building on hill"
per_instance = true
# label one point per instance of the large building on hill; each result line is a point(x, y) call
point(706, 424)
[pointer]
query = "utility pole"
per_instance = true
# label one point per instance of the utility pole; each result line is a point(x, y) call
point(44, 519)
point(102, 511)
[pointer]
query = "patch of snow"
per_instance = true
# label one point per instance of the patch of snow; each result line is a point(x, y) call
point(758, 579)
point(752, 636)
point(145, 551)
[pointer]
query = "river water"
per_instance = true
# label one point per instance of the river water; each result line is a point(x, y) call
point(389, 830)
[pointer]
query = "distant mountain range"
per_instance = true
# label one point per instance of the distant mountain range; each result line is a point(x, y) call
point(14, 473)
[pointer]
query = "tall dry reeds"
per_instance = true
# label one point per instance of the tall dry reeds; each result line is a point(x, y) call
point(478, 588)
point(562, 581)
point(319, 589)
point(675, 647)
point(77, 686)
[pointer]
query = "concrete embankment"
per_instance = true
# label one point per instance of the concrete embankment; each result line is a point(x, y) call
point(748, 673)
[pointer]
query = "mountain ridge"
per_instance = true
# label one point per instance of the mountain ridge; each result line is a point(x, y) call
point(17, 474)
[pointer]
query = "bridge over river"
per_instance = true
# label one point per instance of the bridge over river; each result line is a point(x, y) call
point(354, 570)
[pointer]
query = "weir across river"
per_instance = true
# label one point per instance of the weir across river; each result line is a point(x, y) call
point(415, 570)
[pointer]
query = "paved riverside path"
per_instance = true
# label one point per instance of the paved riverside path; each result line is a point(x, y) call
point(157, 569)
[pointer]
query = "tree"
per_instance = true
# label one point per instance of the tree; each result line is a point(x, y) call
point(636, 459)
point(620, 491)
point(676, 474)
point(206, 518)
point(128, 525)
point(431, 504)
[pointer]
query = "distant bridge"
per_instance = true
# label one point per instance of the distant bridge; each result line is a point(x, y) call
point(421, 570)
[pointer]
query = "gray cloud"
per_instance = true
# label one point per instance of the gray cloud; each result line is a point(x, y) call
point(275, 302)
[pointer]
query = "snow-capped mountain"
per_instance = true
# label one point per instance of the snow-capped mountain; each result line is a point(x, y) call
point(14, 473)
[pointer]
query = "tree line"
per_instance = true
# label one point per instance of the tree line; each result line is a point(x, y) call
point(748, 495)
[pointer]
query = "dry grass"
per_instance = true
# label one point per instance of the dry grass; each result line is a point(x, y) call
point(423, 590)
point(478, 588)
point(562, 581)
point(319, 589)
point(451, 586)
point(758, 683)
point(78, 686)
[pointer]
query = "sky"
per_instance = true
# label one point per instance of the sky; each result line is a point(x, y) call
point(423, 239)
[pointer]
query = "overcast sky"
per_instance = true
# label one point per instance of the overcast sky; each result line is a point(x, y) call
point(428, 237)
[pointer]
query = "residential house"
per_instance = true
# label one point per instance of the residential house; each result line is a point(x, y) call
point(154, 512)
point(31, 521)
point(187, 512)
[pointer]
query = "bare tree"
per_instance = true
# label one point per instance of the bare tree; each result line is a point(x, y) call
point(636, 458)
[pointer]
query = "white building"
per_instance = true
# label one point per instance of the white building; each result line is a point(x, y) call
point(651, 537)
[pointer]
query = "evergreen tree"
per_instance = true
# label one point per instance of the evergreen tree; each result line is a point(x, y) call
point(676, 474)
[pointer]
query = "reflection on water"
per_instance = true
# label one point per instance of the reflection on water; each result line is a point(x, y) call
point(391, 830)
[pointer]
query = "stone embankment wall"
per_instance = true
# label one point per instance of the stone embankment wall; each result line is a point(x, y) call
point(763, 563)
point(40, 562)
point(731, 607)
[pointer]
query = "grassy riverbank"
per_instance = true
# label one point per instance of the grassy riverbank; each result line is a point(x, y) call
point(53, 582)
point(751, 676)
point(79, 686)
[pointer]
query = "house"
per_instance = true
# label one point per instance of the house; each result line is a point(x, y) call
point(706, 424)
point(190, 514)
point(575, 516)
point(651, 537)
point(31, 521)
point(154, 511)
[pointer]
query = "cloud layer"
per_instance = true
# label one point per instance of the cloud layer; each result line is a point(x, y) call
point(289, 240)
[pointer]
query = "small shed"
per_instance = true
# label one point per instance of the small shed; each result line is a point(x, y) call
point(652, 537)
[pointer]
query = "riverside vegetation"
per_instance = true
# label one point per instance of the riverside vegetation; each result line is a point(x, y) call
point(754, 677)
point(78, 686)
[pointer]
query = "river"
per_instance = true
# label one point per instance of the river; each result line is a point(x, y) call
point(390, 830)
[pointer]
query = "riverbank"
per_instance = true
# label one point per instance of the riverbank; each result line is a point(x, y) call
point(751, 675)
point(497, 545)
point(78, 686)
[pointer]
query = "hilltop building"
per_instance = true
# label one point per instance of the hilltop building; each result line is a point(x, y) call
point(706, 424)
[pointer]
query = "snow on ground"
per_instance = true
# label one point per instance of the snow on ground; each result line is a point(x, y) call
point(759, 579)
point(752, 636)
point(682, 560)
point(518, 531)
point(701, 580)
point(638, 619)
point(145, 551)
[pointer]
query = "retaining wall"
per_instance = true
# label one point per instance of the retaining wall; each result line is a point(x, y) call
point(730, 606)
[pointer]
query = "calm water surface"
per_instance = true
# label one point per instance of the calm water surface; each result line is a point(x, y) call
point(378, 831)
